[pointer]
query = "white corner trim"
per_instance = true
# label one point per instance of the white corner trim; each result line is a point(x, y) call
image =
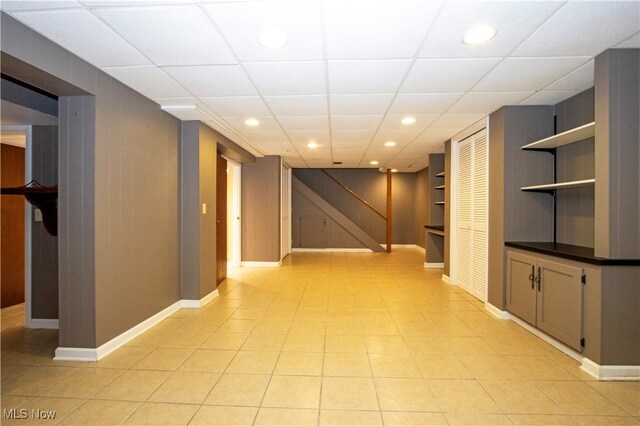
point(446, 279)
point(433, 265)
point(421, 249)
point(504, 315)
point(191, 303)
point(261, 264)
point(51, 324)
point(610, 372)
point(91, 354)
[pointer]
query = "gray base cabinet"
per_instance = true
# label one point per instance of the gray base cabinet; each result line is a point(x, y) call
point(546, 294)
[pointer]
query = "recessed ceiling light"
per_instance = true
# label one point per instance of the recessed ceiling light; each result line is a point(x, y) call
point(312, 145)
point(272, 38)
point(394, 170)
point(251, 122)
point(390, 143)
point(479, 35)
point(374, 163)
point(407, 121)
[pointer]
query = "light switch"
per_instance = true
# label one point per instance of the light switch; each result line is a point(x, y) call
point(204, 208)
point(37, 215)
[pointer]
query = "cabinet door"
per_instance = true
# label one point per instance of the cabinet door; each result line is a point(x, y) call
point(560, 302)
point(521, 293)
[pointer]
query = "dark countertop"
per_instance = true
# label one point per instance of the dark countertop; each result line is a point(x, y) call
point(567, 251)
point(436, 227)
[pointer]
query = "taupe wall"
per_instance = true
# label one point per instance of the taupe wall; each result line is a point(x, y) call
point(421, 198)
point(371, 185)
point(44, 247)
point(260, 216)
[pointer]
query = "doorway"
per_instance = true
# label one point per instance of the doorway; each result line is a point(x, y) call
point(285, 213)
point(233, 214)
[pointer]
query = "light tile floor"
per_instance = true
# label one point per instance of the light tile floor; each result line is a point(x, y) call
point(330, 338)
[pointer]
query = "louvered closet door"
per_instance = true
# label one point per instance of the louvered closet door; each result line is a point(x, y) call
point(464, 213)
point(480, 216)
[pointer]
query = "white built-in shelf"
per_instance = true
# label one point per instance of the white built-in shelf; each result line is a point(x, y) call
point(441, 174)
point(439, 203)
point(439, 187)
point(565, 138)
point(561, 185)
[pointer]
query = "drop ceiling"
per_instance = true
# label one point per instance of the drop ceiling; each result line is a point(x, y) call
point(350, 71)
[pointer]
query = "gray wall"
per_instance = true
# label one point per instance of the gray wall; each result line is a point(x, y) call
point(44, 247)
point(260, 216)
point(421, 198)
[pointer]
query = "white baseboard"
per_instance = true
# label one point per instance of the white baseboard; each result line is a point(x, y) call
point(433, 265)
point(192, 304)
point(446, 279)
point(504, 315)
point(421, 249)
point(610, 372)
point(331, 250)
point(95, 354)
point(404, 246)
point(261, 264)
point(50, 324)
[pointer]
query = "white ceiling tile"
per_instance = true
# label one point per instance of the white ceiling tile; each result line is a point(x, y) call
point(298, 105)
point(17, 5)
point(394, 121)
point(267, 123)
point(446, 75)
point(455, 121)
point(549, 97)
point(193, 40)
point(354, 122)
point(352, 135)
point(423, 103)
point(264, 138)
point(122, 3)
point(149, 80)
point(320, 122)
point(242, 106)
point(300, 138)
point(583, 28)
point(373, 29)
point(486, 102)
point(523, 74)
point(241, 24)
point(400, 136)
point(213, 80)
point(436, 135)
point(366, 76)
point(632, 42)
point(287, 78)
point(85, 35)
point(580, 79)
point(513, 22)
point(360, 104)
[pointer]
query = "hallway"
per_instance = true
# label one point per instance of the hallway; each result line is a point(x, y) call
point(327, 338)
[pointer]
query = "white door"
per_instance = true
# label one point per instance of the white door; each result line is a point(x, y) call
point(285, 212)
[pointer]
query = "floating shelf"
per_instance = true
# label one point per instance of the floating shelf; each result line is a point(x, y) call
point(561, 185)
point(441, 174)
point(565, 138)
point(439, 203)
point(439, 187)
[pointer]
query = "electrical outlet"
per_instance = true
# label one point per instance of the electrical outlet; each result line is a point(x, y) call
point(204, 208)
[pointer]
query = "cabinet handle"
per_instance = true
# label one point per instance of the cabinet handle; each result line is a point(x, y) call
point(532, 276)
point(538, 278)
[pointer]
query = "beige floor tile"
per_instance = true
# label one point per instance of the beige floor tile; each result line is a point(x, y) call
point(36, 380)
point(239, 389)
point(606, 420)
point(272, 326)
point(539, 367)
point(264, 342)
point(124, 357)
point(101, 413)
point(415, 328)
point(462, 395)
point(286, 416)
point(346, 418)
point(44, 410)
point(413, 418)
point(181, 339)
point(519, 397)
point(304, 343)
point(342, 393)
point(442, 367)
point(185, 387)
point(511, 346)
point(405, 395)
point(345, 343)
point(428, 345)
point(208, 361)
point(490, 367)
point(84, 383)
point(293, 392)
point(214, 415)
point(10, 372)
point(541, 419)
point(386, 344)
point(237, 326)
point(253, 362)
point(394, 365)
point(578, 398)
point(299, 364)
point(169, 359)
point(307, 327)
point(162, 414)
point(11, 401)
point(477, 419)
point(467, 345)
point(134, 385)
point(229, 341)
point(347, 365)
point(626, 395)
point(243, 314)
point(352, 328)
